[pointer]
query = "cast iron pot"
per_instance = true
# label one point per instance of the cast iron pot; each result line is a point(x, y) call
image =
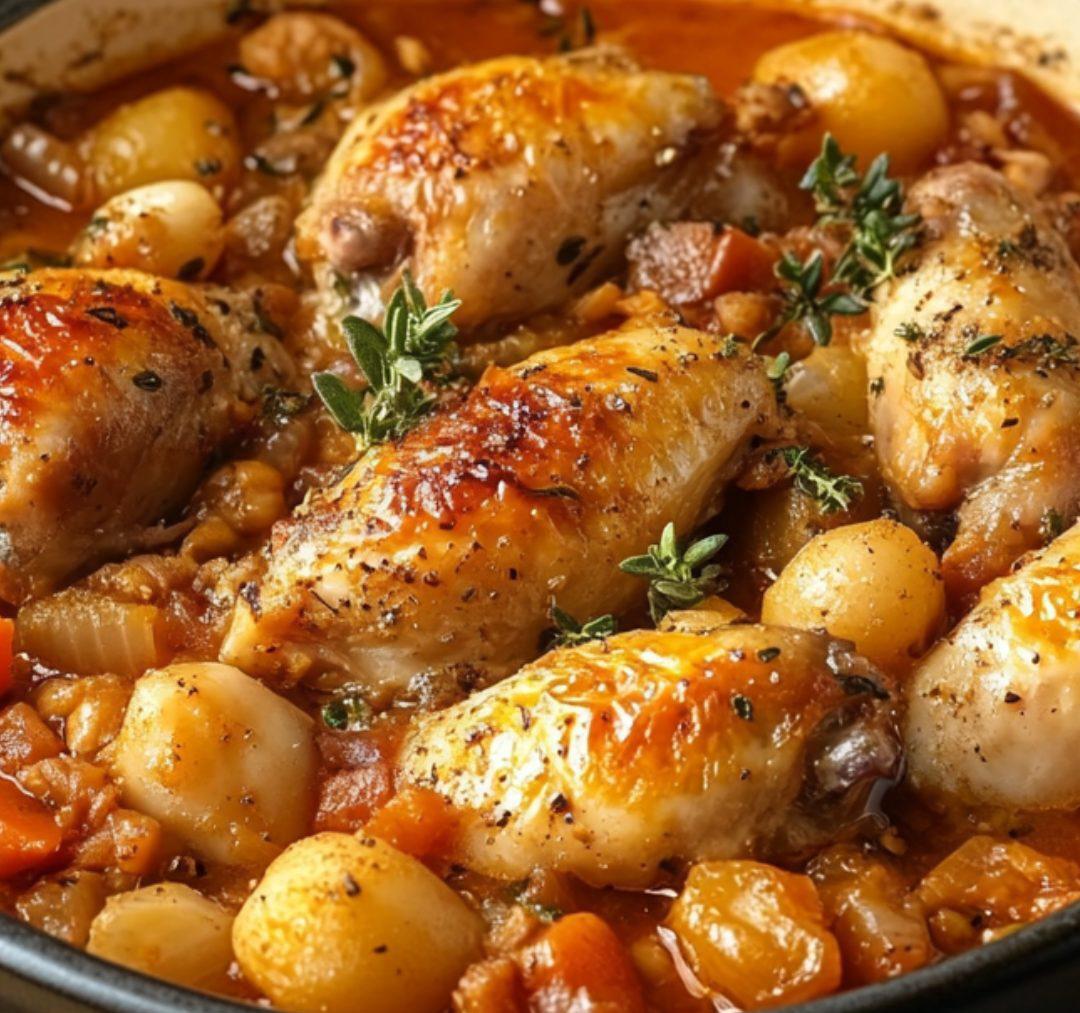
point(1037, 967)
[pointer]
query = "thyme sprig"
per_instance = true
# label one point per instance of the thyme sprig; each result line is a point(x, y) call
point(872, 206)
point(568, 632)
point(679, 576)
point(401, 362)
point(803, 299)
point(813, 478)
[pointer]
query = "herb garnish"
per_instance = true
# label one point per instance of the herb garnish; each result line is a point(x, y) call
point(872, 206)
point(814, 479)
point(1051, 525)
point(415, 346)
point(909, 331)
point(568, 632)
point(776, 371)
point(670, 569)
point(280, 405)
point(983, 343)
point(347, 712)
point(804, 301)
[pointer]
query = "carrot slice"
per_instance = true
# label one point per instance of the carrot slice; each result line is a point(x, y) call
point(29, 836)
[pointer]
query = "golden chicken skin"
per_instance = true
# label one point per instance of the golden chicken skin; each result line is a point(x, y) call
point(515, 182)
point(115, 390)
point(976, 367)
point(994, 709)
point(447, 547)
point(613, 759)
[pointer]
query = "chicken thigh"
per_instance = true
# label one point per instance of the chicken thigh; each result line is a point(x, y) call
point(976, 366)
point(447, 547)
point(115, 390)
point(612, 759)
point(514, 182)
point(994, 710)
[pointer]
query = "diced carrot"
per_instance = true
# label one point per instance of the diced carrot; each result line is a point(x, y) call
point(29, 836)
point(741, 263)
point(690, 262)
point(7, 639)
point(416, 821)
point(25, 738)
point(580, 963)
point(756, 934)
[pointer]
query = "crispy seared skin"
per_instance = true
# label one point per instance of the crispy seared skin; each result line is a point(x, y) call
point(115, 390)
point(613, 759)
point(994, 436)
point(515, 181)
point(994, 709)
point(446, 548)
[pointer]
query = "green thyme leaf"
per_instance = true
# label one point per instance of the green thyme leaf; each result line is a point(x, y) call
point(413, 351)
point(983, 343)
point(801, 291)
point(568, 632)
point(279, 405)
point(909, 331)
point(1051, 525)
point(812, 477)
point(349, 712)
point(678, 577)
point(870, 206)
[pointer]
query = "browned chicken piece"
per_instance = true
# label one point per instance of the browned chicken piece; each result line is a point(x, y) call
point(446, 548)
point(976, 366)
point(613, 759)
point(115, 390)
point(516, 182)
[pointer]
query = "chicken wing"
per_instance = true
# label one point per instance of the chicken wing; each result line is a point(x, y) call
point(976, 367)
point(994, 710)
point(115, 389)
point(515, 182)
point(446, 548)
point(613, 759)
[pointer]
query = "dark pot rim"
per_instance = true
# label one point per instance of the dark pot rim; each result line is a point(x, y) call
point(47, 966)
point(53, 968)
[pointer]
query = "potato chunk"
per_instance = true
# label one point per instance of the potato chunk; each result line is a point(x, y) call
point(169, 931)
point(220, 760)
point(173, 229)
point(756, 934)
point(875, 584)
point(177, 133)
point(338, 918)
point(872, 93)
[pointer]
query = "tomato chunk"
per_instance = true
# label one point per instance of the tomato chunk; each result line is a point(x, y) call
point(29, 836)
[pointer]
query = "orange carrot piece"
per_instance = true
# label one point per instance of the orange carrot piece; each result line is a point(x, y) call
point(29, 836)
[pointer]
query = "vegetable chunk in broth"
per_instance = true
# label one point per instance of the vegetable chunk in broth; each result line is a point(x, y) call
point(514, 506)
